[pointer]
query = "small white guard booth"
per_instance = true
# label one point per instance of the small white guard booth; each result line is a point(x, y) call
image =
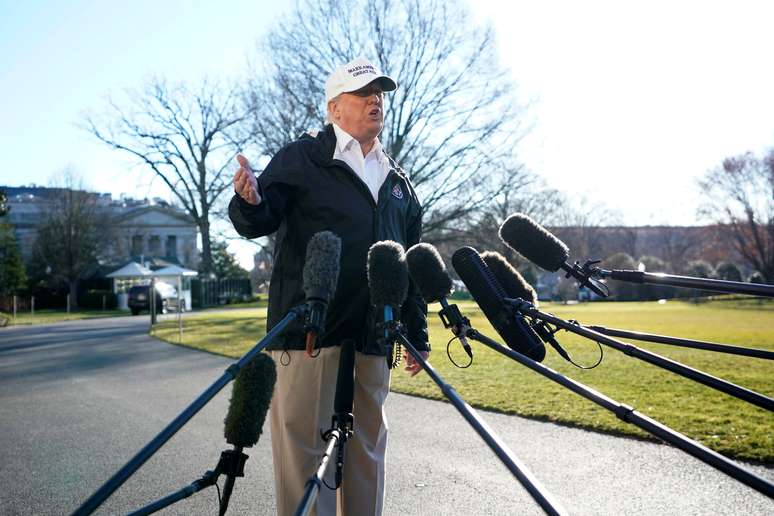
point(180, 278)
point(126, 277)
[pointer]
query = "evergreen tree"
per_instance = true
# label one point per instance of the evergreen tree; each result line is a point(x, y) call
point(621, 290)
point(12, 274)
point(224, 264)
point(728, 271)
point(3, 203)
point(756, 277)
point(700, 269)
point(652, 292)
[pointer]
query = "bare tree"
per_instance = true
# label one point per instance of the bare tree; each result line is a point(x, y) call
point(516, 192)
point(739, 195)
point(186, 137)
point(452, 122)
point(677, 244)
point(71, 236)
point(582, 225)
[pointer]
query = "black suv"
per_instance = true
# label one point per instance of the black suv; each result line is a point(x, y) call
point(166, 298)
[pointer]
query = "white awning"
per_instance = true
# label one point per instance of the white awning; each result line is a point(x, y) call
point(175, 270)
point(130, 270)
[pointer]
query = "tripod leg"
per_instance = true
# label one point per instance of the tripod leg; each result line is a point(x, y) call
point(227, 489)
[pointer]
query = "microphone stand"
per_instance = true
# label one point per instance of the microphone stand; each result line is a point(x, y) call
point(630, 415)
point(107, 489)
point(335, 437)
point(342, 427)
point(546, 500)
point(231, 464)
point(526, 308)
point(735, 287)
point(696, 344)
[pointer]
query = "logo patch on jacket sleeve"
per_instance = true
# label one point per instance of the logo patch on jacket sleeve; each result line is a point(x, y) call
point(397, 192)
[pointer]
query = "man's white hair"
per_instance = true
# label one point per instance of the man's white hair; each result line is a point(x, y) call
point(328, 117)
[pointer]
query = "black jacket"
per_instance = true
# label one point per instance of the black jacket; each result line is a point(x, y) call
point(304, 191)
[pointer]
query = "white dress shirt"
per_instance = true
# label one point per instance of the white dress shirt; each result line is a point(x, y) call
point(372, 169)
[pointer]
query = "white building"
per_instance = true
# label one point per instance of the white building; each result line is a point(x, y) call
point(143, 230)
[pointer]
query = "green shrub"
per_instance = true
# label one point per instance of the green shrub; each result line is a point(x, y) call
point(93, 299)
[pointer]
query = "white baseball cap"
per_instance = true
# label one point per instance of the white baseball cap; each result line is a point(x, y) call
point(353, 76)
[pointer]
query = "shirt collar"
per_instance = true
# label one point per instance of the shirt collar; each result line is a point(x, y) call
point(345, 142)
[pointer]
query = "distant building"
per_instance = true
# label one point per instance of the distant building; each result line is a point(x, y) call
point(145, 230)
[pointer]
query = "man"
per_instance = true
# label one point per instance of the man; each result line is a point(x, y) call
point(339, 180)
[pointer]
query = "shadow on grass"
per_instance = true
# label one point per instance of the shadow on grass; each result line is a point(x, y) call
point(574, 424)
point(590, 428)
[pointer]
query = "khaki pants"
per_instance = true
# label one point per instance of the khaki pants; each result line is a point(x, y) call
point(302, 407)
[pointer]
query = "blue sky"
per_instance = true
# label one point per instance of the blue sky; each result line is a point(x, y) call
point(630, 101)
point(60, 59)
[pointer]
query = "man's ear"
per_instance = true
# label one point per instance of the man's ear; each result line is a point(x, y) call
point(332, 109)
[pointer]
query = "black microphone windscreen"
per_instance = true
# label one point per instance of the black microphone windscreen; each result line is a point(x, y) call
point(388, 279)
point(534, 242)
point(321, 268)
point(345, 382)
point(429, 273)
point(490, 297)
point(512, 282)
point(250, 397)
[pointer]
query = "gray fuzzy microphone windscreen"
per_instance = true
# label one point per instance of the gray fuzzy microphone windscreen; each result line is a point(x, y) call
point(250, 397)
point(512, 282)
point(388, 278)
point(321, 268)
point(429, 272)
point(534, 242)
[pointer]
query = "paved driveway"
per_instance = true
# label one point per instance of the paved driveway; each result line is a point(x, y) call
point(78, 399)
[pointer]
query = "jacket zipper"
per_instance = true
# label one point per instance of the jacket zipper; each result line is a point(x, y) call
point(364, 188)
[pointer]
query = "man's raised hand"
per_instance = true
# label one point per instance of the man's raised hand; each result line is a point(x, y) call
point(245, 183)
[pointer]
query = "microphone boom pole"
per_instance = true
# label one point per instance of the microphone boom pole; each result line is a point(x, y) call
point(630, 415)
point(732, 389)
point(734, 287)
point(342, 429)
point(695, 344)
point(387, 267)
point(232, 463)
point(527, 479)
point(314, 484)
point(107, 489)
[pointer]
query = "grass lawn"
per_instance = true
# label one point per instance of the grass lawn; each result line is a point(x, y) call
point(53, 316)
point(494, 382)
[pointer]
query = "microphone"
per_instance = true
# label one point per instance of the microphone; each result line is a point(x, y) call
point(388, 279)
point(343, 400)
point(250, 398)
point(428, 271)
point(388, 283)
point(490, 296)
point(542, 248)
point(320, 274)
point(510, 279)
point(515, 285)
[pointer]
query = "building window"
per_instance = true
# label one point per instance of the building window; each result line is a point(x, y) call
point(154, 245)
point(172, 246)
point(136, 245)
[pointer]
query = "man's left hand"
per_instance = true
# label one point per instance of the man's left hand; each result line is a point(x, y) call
point(412, 366)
